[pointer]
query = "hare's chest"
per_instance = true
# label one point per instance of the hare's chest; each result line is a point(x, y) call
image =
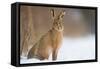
point(57, 37)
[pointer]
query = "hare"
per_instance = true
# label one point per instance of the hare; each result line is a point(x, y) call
point(51, 41)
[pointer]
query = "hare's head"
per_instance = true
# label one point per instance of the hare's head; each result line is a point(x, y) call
point(57, 20)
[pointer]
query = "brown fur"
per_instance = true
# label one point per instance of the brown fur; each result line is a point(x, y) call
point(51, 41)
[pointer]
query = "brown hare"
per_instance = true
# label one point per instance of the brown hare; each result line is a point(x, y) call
point(51, 41)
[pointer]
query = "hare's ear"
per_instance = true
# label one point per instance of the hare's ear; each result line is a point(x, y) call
point(52, 13)
point(62, 14)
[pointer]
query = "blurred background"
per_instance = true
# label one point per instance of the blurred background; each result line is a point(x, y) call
point(35, 21)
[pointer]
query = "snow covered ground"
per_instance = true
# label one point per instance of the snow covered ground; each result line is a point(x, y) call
point(72, 49)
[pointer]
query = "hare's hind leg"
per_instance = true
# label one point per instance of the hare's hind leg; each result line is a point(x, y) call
point(32, 52)
point(42, 58)
point(43, 54)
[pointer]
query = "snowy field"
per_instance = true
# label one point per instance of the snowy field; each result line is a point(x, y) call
point(72, 49)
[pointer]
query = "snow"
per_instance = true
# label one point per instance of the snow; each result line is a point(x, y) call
point(82, 48)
